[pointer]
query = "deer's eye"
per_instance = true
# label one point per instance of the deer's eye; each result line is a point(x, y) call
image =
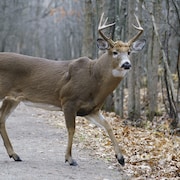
point(115, 53)
point(129, 52)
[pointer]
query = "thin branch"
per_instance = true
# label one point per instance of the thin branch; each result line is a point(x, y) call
point(178, 73)
point(177, 10)
point(164, 56)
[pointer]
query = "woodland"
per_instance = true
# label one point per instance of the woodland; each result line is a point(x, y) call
point(144, 110)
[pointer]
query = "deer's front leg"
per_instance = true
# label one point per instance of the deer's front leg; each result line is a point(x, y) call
point(7, 107)
point(70, 124)
point(98, 118)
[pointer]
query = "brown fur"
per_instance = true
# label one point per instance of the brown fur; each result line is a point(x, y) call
point(78, 87)
point(55, 82)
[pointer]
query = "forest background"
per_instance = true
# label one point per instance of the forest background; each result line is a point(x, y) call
point(149, 96)
point(60, 29)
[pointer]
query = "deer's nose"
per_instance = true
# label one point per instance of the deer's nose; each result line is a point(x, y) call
point(126, 65)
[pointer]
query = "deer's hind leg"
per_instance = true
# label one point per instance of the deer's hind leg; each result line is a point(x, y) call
point(8, 105)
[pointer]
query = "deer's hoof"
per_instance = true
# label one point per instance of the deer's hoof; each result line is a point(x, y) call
point(72, 162)
point(15, 157)
point(120, 160)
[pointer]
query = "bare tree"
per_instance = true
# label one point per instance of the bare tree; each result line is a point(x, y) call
point(134, 76)
point(172, 96)
point(87, 49)
point(51, 29)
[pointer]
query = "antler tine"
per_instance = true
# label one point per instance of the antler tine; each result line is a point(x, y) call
point(138, 28)
point(104, 26)
point(100, 22)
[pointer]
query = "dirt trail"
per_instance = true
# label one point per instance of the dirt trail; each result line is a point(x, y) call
point(42, 148)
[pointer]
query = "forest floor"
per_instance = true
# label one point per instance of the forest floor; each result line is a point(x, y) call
point(151, 152)
point(40, 138)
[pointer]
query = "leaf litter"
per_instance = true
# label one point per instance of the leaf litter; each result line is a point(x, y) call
point(150, 152)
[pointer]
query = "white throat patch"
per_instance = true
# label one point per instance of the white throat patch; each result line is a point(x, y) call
point(119, 73)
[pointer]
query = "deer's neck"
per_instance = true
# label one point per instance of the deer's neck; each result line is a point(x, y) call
point(103, 66)
point(107, 82)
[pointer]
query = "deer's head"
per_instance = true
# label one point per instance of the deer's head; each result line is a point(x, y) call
point(119, 51)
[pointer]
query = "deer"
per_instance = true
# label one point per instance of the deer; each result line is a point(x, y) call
point(78, 87)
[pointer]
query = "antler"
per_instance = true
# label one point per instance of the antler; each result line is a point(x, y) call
point(104, 26)
point(138, 34)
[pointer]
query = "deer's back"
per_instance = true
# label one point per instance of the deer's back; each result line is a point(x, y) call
point(35, 78)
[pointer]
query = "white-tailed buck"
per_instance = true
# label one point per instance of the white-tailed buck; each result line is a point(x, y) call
point(77, 87)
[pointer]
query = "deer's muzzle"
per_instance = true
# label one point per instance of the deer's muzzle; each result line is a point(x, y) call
point(126, 65)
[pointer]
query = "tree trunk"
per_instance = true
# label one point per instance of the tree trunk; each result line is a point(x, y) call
point(134, 74)
point(87, 48)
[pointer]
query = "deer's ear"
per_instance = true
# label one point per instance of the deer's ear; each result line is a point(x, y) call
point(102, 44)
point(138, 45)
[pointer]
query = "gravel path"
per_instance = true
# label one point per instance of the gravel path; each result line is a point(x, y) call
point(42, 148)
